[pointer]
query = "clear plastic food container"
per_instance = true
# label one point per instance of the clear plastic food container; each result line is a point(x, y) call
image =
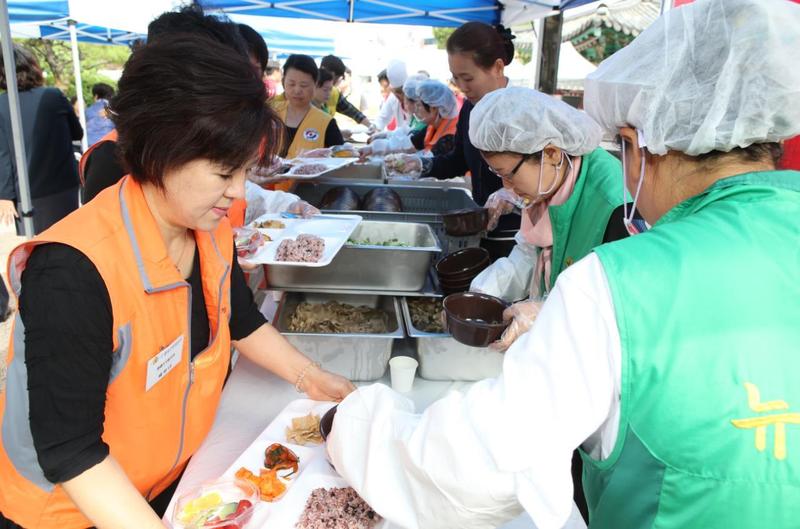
point(224, 504)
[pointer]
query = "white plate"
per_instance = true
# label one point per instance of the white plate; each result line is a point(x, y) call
point(329, 163)
point(333, 229)
point(315, 471)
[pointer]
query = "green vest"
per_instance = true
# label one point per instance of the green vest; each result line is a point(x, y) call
point(708, 309)
point(580, 223)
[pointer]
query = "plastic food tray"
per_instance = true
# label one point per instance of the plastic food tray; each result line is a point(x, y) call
point(441, 357)
point(361, 267)
point(331, 164)
point(333, 229)
point(355, 356)
point(315, 471)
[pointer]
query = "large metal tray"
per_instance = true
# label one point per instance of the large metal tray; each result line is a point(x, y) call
point(421, 203)
point(390, 268)
point(369, 172)
point(441, 357)
point(355, 356)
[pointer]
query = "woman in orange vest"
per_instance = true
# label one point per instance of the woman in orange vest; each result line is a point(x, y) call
point(438, 108)
point(130, 305)
point(306, 127)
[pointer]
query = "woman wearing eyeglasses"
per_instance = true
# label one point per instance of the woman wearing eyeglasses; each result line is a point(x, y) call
point(568, 191)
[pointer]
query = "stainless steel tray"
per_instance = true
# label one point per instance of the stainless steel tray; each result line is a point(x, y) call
point(430, 290)
point(441, 357)
point(355, 356)
point(370, 172)
point(420, 203)
point(374, 268)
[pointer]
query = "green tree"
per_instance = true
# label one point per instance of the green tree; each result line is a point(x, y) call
point(441, 35)
point(599, 43)
point(55, 58)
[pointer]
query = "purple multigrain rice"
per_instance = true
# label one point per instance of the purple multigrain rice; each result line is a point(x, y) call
point(306, 249)
point(337, 508)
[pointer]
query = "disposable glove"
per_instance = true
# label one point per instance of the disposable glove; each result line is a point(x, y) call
point(302, 208)
point(522, 316)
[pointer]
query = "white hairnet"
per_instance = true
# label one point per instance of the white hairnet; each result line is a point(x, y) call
point(712, 75)
point(411, 86)
point(525, 121)
point(437, 94)
point(396, 72)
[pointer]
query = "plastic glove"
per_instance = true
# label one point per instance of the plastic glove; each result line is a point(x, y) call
point(522, 316)
point(403, 163)
point(263, 174)
point(498, 205)
point(302, 208)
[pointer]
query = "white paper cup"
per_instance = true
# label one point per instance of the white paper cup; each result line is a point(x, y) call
point(402, 370)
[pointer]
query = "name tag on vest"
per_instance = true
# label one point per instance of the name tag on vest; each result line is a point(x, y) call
point(164, 362)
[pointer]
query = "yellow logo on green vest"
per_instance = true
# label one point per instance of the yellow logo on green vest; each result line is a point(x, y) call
point(780, 420)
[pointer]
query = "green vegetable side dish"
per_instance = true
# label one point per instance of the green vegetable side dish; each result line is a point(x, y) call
point(368, 242)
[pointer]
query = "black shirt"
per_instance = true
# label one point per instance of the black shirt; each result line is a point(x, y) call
point(66, 310)
point(49, 127)
point(102, 169)
point(465, 157)
point(333, 136)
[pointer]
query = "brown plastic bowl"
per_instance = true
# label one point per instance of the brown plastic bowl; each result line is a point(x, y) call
point(326, 423)
point(464, 222)
point(475, 319)
point(463, 263)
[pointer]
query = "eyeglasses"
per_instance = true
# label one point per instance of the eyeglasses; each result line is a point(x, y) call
point(513, 172)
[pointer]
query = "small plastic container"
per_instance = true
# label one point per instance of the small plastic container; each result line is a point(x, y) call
point(225, 506)
point(248, 241)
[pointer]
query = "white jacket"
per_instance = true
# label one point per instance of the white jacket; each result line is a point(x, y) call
point(509, 278)
point(261, 201)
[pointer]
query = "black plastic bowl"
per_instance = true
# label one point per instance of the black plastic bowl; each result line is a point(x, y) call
point(463, 264)
point(326, 423)
point(465, 222)
point(475, 319)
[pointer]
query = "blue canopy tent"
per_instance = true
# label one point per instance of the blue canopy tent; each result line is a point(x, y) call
point(282, 44)
point(23, 11)
point(412, 12)
point(59, 30)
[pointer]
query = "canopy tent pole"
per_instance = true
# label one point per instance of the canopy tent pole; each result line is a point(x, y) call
point(76, 66)
point(536, 53)
point(551, 46)
point(24, 198)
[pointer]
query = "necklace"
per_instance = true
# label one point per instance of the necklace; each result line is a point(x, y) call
point(183, 251)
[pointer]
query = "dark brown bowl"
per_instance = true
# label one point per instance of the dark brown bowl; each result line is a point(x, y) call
point(464, 222)
point(475, 319)
point(462, 263)
point(326, 423)
point(448, 291)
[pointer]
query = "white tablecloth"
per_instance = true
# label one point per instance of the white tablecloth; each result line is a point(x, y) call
point(253, 398)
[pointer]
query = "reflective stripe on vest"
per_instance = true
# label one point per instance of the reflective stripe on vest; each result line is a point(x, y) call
point(151, 432)
point(708, 309)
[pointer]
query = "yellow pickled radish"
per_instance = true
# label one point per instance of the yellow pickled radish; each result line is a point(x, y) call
point(197, 505)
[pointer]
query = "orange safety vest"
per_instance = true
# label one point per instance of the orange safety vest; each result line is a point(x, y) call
point(152, 425)
point(433, 134)
point(235, 212)
point(310, 133)
point(111, 136)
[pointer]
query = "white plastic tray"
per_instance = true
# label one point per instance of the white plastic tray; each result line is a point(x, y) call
point(333, 229)
point(329, 163)
point(315, 471)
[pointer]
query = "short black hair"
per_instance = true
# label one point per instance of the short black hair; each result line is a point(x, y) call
point(187, 97)
point(102, 91)
point(255, 45)
point(333, 64)
point(29, 73)
point(324, 76)
point(383, 76)
point(191, 19)
point(302, 63)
